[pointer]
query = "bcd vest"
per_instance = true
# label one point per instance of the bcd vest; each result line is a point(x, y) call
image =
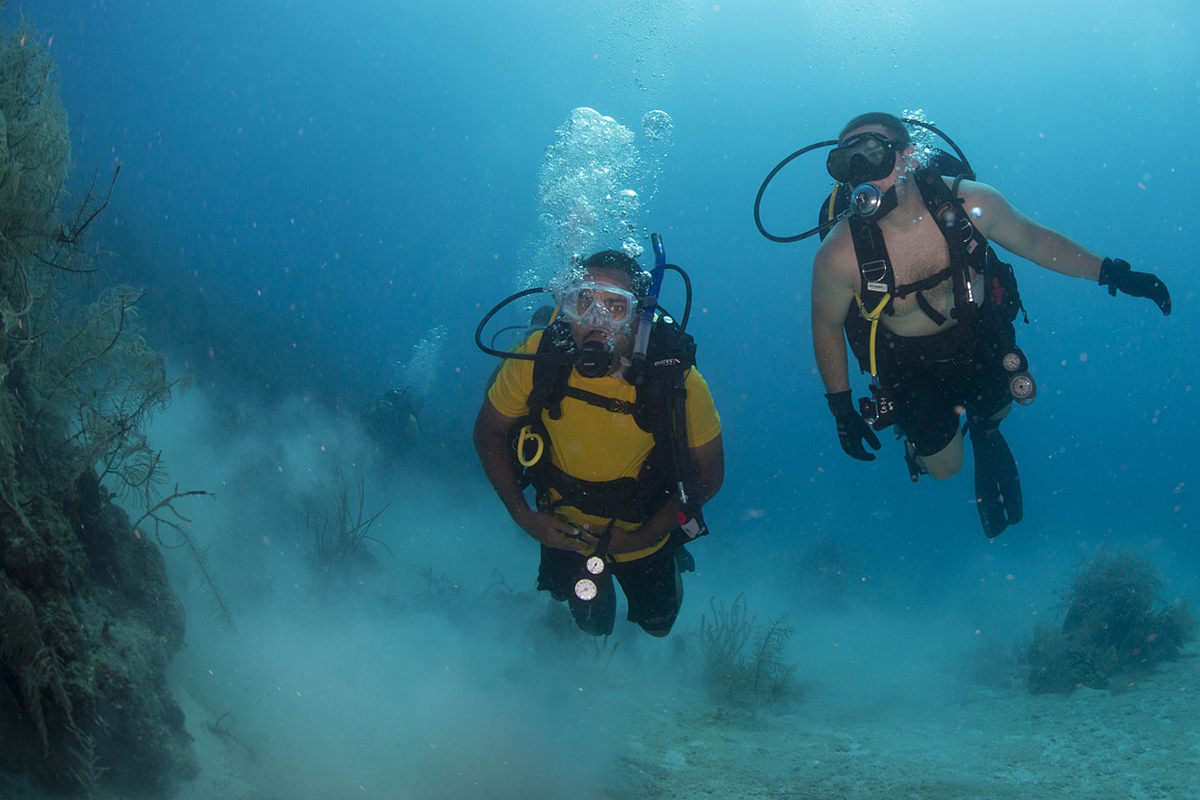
point(969, 254)
point(659, 409)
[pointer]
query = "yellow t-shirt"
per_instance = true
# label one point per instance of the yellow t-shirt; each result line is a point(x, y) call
point(592, 443)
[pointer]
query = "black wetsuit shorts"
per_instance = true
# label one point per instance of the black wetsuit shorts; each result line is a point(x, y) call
point(934, 378)
point(651, 586)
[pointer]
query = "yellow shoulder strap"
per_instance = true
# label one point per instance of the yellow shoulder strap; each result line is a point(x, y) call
point(832, 202)
point(873, 318)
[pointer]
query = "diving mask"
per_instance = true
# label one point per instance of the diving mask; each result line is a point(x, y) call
point(866, 157)
point(599, 305)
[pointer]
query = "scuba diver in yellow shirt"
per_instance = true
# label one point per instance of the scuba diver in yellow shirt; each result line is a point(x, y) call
point(605, 414)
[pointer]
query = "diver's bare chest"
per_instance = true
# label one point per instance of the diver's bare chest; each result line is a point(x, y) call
point(917, 256)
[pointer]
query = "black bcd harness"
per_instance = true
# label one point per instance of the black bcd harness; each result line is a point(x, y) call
point(659, 409)
point(969, 252)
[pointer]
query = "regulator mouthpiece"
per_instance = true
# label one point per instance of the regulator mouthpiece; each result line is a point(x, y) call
point(594, 360)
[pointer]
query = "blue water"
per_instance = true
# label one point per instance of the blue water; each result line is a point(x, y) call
point(309, 189)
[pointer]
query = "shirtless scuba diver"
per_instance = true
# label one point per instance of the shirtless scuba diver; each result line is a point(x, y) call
point(929, 308)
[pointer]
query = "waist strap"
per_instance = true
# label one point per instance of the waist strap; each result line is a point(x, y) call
point(625, 499)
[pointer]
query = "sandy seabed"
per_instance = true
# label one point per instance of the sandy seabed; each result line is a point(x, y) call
point(1139, 741)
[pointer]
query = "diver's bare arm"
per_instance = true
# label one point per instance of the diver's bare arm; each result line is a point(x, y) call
point(831, 298)
point(491, 443)
point(1003, 224)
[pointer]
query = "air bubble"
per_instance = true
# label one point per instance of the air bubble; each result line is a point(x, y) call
point(594, 184)
point(657, 124)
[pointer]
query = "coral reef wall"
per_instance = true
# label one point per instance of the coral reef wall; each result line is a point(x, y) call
point(88, 622)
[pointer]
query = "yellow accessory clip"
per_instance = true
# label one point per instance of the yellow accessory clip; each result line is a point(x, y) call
point(527, 434)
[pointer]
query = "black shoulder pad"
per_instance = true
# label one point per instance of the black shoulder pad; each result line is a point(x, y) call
point(943, 163)
point(669, 346)
point(552, 369)
point(670, 354)
point(953, 219)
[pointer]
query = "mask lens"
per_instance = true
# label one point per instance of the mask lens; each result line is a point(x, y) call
point(598, 304)
point(582, 302)
point(862, 158)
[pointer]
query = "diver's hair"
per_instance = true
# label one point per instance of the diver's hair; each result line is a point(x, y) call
point(616, 261)
point(895, 126)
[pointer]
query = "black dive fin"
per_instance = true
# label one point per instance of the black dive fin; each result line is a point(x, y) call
point(684, 561)
point(997, 484)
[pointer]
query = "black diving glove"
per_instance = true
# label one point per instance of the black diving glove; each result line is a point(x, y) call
point(1119, 277)
point(852, 429)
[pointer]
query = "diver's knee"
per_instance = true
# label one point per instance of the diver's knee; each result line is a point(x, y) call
point(942, 472)
point(943, 464)
point(659, 627)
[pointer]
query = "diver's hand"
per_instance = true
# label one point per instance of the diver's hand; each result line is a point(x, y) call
point(554, 532)
point(852, 429)
point(1119, 277)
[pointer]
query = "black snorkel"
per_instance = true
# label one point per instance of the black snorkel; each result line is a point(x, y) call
point(862, 202)
point(645, 322)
